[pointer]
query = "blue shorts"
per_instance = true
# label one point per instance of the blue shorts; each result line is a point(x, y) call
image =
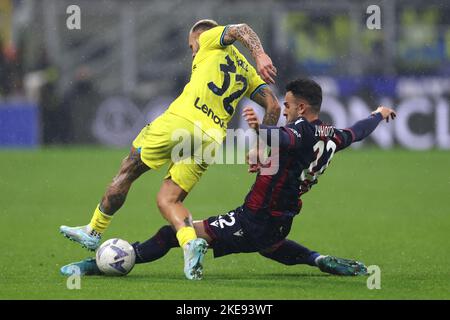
point(241, 230)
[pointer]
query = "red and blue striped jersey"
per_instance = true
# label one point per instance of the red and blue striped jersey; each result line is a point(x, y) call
point(304, 152)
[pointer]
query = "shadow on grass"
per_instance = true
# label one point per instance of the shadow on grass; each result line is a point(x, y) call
point(266, 276)
point(175, 277)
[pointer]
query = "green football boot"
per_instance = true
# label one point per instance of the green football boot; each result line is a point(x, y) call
point(341, 267)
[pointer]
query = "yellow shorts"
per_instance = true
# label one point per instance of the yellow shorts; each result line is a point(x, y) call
point(177, 141)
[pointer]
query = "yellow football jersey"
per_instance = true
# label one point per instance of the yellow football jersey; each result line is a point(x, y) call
point(221, 77)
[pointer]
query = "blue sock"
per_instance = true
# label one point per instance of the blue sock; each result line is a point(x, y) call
point(291, 253)
point(157, 246)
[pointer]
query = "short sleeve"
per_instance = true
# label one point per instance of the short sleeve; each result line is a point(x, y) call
point(212, 38)
point(255, 83)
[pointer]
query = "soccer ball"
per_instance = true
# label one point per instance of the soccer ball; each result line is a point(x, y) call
point(115, 257)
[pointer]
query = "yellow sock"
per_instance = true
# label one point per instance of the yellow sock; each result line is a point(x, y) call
point(186, 234)
point(100, 221)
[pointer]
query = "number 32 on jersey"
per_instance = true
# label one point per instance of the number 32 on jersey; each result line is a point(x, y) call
point(227, 69)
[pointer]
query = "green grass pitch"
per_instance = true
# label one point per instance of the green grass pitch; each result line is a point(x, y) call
point(385, 208)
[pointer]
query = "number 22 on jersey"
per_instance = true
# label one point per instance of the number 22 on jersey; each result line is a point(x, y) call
point(313, 172)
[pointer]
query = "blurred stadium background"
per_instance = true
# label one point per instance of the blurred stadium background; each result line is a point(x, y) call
point(101, 84)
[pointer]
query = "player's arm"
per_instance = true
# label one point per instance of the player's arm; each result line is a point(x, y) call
point(267, 99)
point(286, 138)
point(243, 33)
point(363, 128)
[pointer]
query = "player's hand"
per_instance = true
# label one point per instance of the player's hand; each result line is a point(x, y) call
point(250, 116)
point(251, 158)
point(254, 160)
point(386, 113)
point(265, 68)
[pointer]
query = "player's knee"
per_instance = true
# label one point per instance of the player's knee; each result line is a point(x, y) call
point(163, 202)
point(165, 199)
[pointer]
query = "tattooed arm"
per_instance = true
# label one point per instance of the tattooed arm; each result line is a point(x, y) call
point(250, 40)
point(264, 97)
point(267, 99)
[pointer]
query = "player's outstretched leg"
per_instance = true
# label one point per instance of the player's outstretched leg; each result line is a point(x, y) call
point(170, 203)
point(89, 236)
point(150, 250)
point(157, 246)
point(166, 239)
point(291, 253)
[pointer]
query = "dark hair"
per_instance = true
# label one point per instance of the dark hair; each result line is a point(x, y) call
point(204, 25)
point(307, 89)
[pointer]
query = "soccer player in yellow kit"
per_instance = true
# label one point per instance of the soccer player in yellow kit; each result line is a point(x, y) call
point(221, 77)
